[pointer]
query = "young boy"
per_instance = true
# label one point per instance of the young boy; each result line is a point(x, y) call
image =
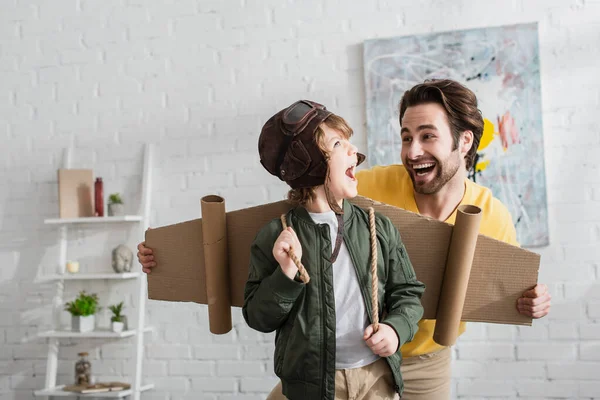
point(326, 346)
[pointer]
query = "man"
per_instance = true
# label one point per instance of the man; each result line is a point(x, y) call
point(441, 127)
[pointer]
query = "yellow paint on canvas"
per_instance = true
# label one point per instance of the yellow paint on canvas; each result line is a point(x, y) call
point(486, 139)
point(488, 134)
point(482, 165)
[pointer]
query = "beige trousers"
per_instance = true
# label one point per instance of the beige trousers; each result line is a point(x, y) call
point(425, 377)
point(371, 382)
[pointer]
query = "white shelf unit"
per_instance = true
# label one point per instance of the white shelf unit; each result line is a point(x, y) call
point(51, 389)
point(58, 392)
point(87, 276)
point(94, 220)
point(98, 333)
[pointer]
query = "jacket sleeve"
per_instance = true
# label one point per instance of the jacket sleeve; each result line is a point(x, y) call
point(269, 294)
point(402, 290)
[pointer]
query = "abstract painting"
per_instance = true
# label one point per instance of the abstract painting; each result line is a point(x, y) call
point(501, 65)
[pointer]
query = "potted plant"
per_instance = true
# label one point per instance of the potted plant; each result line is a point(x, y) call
point(116, 320)
point(82, 310)
point(115, 205)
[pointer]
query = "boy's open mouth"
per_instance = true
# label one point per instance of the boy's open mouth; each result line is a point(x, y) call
point(350, 172)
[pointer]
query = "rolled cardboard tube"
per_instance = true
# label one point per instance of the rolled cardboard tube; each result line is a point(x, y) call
point(214, 232)
point(456, 276)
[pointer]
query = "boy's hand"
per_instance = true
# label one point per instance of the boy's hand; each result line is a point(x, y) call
point(145, 257)
point(287, 240)
point(384, 343)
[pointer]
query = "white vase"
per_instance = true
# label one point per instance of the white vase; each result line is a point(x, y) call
point(115, 210)
point(83, 324)
point(117, 327)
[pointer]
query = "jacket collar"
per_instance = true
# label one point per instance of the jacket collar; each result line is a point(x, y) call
point(302, 213)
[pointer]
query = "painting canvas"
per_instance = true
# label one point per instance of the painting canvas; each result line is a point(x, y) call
point(501, 65)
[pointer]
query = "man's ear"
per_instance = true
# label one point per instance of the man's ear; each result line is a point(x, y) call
point(466, 142)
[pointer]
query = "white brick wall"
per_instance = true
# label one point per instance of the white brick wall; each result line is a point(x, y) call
point(198, 78)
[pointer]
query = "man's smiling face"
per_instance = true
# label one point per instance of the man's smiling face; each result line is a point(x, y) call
point(428, 150)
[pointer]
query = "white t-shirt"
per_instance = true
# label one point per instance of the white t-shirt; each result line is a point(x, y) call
point(351, 319)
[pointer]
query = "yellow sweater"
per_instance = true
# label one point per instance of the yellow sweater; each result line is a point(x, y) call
point(392, 185)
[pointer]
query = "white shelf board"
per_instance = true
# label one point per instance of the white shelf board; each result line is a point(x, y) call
point(94, 220)
point(58, 392)
point(84, 276)
point(98, 333)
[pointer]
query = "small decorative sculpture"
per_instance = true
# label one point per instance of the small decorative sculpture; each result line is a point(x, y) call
point(122, 259)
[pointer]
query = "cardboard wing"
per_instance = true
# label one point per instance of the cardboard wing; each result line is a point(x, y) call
point(468, 277)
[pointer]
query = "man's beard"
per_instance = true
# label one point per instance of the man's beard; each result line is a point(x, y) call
point(444, 173)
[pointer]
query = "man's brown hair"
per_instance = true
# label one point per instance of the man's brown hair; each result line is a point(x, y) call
point(304, 195)
point(460, 104)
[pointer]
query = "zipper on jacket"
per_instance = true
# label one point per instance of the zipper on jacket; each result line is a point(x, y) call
point(362, 286)
point(323, 318)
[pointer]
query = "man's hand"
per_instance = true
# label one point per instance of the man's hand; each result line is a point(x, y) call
point(535, 303)
point(383, 343)
point(145, 257)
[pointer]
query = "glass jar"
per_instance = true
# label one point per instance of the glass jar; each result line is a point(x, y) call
point(83, 370)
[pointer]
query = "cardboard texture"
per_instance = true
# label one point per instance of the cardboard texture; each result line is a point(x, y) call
point(456, 276)
point(75, 193)
point(440, 254)
point(215, 254)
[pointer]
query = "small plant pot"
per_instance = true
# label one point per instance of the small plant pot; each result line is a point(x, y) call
point(115, 210)
point(118, 327)
point(83, 324)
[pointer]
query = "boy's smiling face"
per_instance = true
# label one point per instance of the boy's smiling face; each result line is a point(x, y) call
point(342, 160)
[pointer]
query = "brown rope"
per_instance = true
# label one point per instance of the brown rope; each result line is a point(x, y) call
point(374, 280)
point(303, 273)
